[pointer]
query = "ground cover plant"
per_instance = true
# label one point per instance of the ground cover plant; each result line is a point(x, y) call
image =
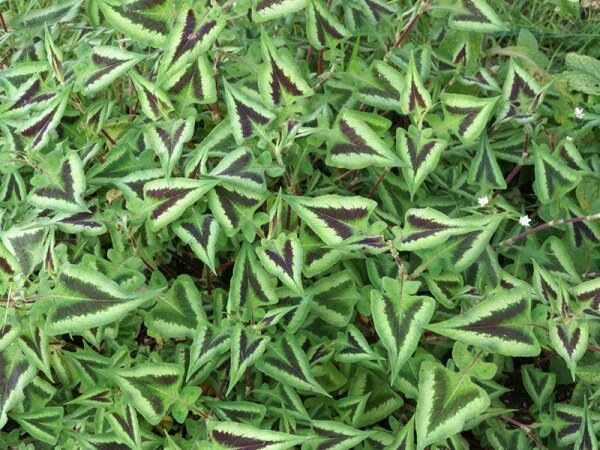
point(273, 224)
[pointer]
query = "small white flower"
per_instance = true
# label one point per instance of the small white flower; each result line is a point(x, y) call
point(483, 201)
point(525, 221)
point(570, 138)
point(579, 113)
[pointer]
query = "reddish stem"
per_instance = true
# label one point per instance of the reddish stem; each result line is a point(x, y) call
point(378, 182)
point(411, 24)
point(517, 168)
point(525, 428)
point(3, 22)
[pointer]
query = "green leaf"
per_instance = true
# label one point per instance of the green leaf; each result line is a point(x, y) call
point(414, 97)
point(247, 347)
point(538, 384)
point(586, 439)
point(322, 27)
point(467, 116)
point(383, 89)
point(501, 323)
point(333, 217)
point(237, 169)
point(26, 246)
point(15, 374)
point(207, 345)
point(553, 179)
point(358, 145)
point(420, 153)
point(333, 298)
point(521, 94)
point(283, 258)
point(168, 143)
point(447, 400)
point(125, 426)
point(238, 436)
point(287, 363)
point(193, 83)
point(280, 79)
point(201, 233)
point(179, 312)
point(167, 200)
point(355, 347)
point(265, 10)
point(154, 102)
point(234, 208)
point(250, 286)
point(63, 190)
point(333, 435)
point(476, 16)
point(41, 125)
point(84, 298)
point(151, 388)
point(485, 173)
point(399, 319)
point(44, 424)
point(246, 115)
point(570, 341)
point(108, 64)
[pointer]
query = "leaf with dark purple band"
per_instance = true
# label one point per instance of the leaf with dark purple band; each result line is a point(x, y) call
point(153, 101)
point(477, 16)
point(132, 185)
point(125, 425)
point(188, 39)
point(12, 188)
point(108, 64)
point(26, 97)
point(287, 363)
point(265, 10)
point(15, 374)
point(207, 345)
point(570, 341)
point(239, 436)
point(553, 178)
point(283, 258)
point(332, 217)
point(377, 10)
point(333, 298)
point(322, 27)
point(414, 97)
point(568, 421)
point(238, 170)
point(485, 173)
point(250, 286)
point(89, 223)
point(139, 20)
point(168, 143)
point(586, 439)
point(150, 387)
point(233, 208)
point(247, 347)
point(84, 298)
point(193, 83)
point(167, 200)
point(354, 347)
point(25, 249)
point(359, 146)
point(538, 384)
point(502, 324)
point(467, 116)
point(333, 435)
point(280, 78)
point(522, 95)
point(40, 126)
point(245, 113)
point(201, 233)
point(179, 312)
point(44, 425)
point(384, 88)
point(420, 153)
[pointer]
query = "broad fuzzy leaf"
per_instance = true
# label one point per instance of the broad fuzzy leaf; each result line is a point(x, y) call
point(238, 436)
point(178, 312)
point(502, 324)
point(384, 89)
point(150, 387)
point(168, 143)
point(245, 113)
point(167, 200)
point(15, 374)
point(447, 400)
point(414, 96)
point(265, 10)
point(358, 146)
point(322, 27)
point(467, 116)
point(138, 23)
point(399, 320)
point(280, 79)
point(64, 190)
point(44, 424)
point(247, 347)
point(201, 233)
point(283, 259)
point(83, 299)
point(477, 16)
point(108, 64)
point(287, 363)
point(154, 102)
point(336, 436)
point(332, 217)
point(485, 173)
point(250, 287)
point(570, 341)
point(420, 153)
